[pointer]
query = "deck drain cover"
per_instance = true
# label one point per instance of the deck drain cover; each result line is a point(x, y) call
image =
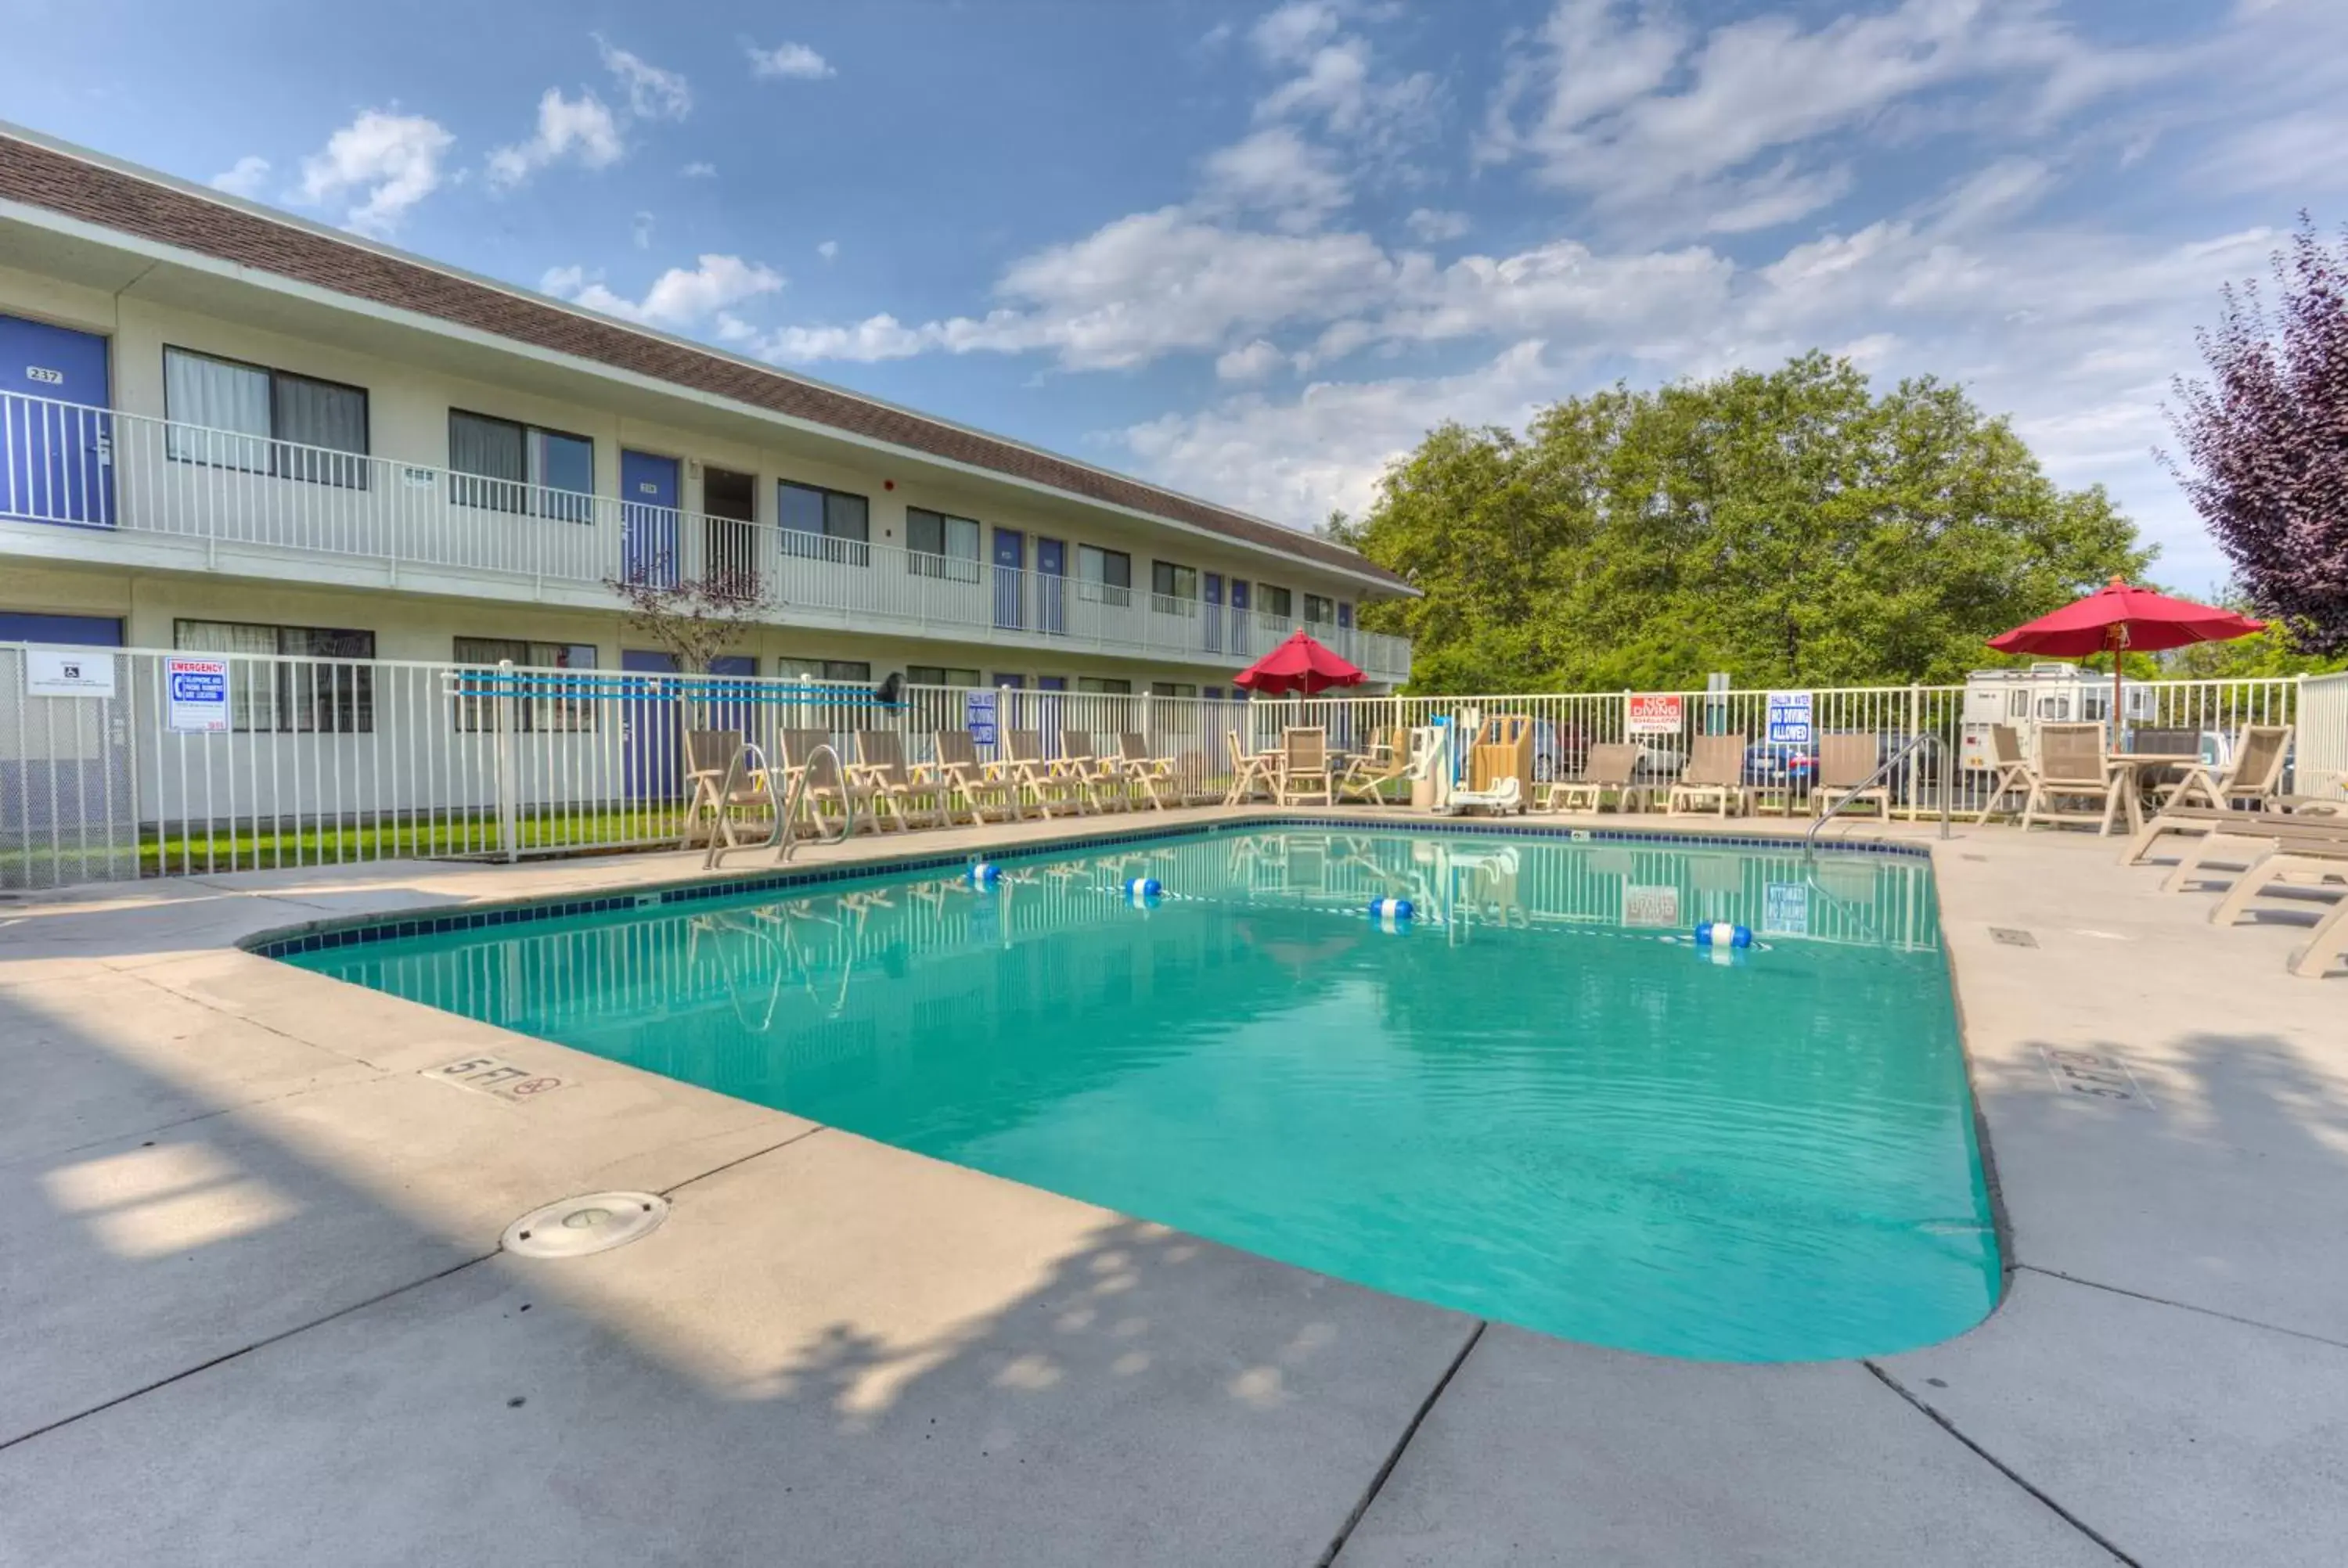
point(597, 1222)
point(2012, 937)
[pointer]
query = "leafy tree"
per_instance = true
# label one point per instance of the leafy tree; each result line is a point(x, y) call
point(1789, 526)
point(2269, 652)
point(2267, 438)
point(693, 619)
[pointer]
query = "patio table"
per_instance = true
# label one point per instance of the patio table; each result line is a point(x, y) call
point(2136, 765)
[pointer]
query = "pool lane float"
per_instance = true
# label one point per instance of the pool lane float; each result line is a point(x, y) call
point(1143, 892)
point(985, 873)
point(1721, 934)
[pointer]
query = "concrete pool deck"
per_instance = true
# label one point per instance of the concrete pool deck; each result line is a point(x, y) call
point(253, 1308)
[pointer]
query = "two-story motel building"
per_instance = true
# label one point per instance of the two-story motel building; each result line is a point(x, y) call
point(225, 429)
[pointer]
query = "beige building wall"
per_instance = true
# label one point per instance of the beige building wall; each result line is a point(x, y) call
point(409, 401)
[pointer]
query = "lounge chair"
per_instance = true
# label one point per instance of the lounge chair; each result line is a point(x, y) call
point(1611, 766)
point(2073, 766)
point(2294, 862)
point(1847, 766)
point(896, 789)
point(1026, 768)
point(959, 772)
point(2248, 837)
point(1097, 777)
point(708, 760)
point(1367, 776)
point(1714, 778)
point(1250, 772)
point(2012, 767)
point(2194, 821)
point(1142, 770)
point(1304, 767)
point(2254, 779)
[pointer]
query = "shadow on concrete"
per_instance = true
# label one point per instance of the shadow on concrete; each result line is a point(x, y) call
point(219, 1346)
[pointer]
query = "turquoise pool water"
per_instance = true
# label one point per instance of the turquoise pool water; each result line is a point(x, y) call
point(1539, 1103)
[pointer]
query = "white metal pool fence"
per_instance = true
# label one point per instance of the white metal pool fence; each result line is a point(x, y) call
point(116, 764)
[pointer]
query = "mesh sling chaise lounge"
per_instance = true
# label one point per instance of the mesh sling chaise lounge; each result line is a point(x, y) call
point(1848, 769)
point(1304, 767)
point(960, 773)
point(1714, 778)
point(1611, 766)
point(2072, 767)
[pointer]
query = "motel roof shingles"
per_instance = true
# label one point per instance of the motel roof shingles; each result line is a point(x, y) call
point(163, 211)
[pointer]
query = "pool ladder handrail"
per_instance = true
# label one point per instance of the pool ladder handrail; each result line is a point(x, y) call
point(1882, 769)
point(781, 837)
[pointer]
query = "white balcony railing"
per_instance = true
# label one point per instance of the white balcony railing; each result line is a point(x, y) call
point(62, 463)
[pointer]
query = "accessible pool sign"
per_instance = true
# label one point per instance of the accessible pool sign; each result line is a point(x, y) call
point(1789, 719)
point(978, 716)
point(68, 673)
point(196, 695)
point(1656, 714)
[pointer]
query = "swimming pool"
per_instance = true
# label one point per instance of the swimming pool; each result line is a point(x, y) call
point(1537, 1100)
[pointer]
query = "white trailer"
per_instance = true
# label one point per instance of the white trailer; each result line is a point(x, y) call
point(2044, 694)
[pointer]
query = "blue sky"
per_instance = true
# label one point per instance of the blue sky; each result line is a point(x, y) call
point(1253, 251)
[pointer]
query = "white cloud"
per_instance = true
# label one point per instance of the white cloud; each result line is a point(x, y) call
point(678, 298)
point(650, 92)
point(828, 249)
point(581, 128)
point(1294, 460)
point(640, 231)
point(1434, 225)
point(1256, 361)
point(245, 179)
point(697, 169)
point(1278, 173)
point(791, 62)
point(1287, 34)
point(391, 160)
point(1646, 117)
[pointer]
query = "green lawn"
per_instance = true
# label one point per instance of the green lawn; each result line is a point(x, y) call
point(266, 848)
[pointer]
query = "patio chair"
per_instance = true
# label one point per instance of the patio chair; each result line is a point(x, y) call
point(2253, 780)
point(1366, 775)
point(1611, 766)
point(1714, 778)
point(959, 772)
point(1026, 768)
point(1143, 771)
point(1847, 772)
point(2012, 769)
point(1304, 767)
point(709, 758)
point(829, 781)
point(1250, 772)
point(1097, 777)
point(2072, 767)
point(895, 788)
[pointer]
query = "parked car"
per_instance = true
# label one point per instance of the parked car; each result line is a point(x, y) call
point(1779, 766)
point(1559, 751)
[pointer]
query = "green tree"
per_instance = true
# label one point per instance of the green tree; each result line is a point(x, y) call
point(1790, 527)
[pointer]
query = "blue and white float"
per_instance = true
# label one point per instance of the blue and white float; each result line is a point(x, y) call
point(985, 874)
point(1721, 934)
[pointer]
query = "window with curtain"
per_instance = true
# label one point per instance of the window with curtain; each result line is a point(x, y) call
point(504, 466)
point(939, 675)
point(317, 682)
point(1172, 689)
point(941, 546)
point(824, 525)
point(1105, 685)
point(1105, 577)
point(1273, 602)
point(1319, 611)
point(1176, 587)
point(228, 414)
point(550, 711)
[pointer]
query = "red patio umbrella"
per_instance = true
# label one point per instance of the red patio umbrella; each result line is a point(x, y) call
point(1299, 664)
point(2117, 617)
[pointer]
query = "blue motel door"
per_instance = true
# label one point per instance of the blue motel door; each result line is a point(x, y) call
point(648, 516)
point(55, 427)
point(1210, 620)
point(1010, 578)
point(1051, 583)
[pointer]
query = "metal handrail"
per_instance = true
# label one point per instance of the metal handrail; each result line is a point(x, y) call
point(1882, 769)
point(781, 838)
